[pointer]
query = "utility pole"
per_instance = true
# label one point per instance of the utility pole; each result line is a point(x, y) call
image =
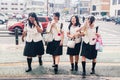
point(78, 7)
point(47, 7)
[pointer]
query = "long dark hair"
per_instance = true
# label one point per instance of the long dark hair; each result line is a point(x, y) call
point(76, 24)
point(32, 14)
point(91, 19)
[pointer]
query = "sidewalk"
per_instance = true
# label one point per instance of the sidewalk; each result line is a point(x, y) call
point(13, 65)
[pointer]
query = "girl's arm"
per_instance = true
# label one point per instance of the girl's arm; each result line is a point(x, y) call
point(70, 35)
point(24, 33)
point(62, 37)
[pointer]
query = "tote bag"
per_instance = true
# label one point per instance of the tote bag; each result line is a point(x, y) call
point(71, 43)
point(99, 44)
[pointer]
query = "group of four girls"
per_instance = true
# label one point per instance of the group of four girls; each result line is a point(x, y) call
point(34, 44)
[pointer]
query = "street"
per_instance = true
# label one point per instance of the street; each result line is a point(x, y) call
point(109, 31)
point(13, 63)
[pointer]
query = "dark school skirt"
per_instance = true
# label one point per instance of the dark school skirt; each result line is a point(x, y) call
point(74, 51)
point(54, 48)
point(32, 49)
point(88, 51)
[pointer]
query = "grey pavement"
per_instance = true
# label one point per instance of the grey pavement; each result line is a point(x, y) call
point(13, 65)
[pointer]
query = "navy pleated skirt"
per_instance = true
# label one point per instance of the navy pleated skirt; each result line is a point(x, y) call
point(32, 49)
point(88, 51)
point(75, 50)
point(54, 48)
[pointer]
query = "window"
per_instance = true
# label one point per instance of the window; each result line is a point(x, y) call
point(28, 8)
point(86, 4)
point(21, 8)
point(21, 3)
point(16, 8)
point(114, 2)
point(6, 8)
point(2, 3)
point(12, 8)
point(15, 4)
point(2, 8)
point(5, 3)
point(94, 8)
point(118, 1)
point(40, 19)
point(12, 3)
point(119, 12)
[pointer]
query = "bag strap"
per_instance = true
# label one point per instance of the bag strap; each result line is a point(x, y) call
point(61, 26)
point(97, 29)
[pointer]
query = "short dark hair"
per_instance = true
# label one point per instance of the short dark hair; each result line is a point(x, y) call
point(91, 19)
point(57, 14)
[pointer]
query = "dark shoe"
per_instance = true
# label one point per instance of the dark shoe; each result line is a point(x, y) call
point(93, 67)
point(56, 69)
point(28, 70)
point(93, 72)
point(40, 63)
point(72, 66)
point(76, 66)
point(72, 69)
point(84, 75)
point(53, 65)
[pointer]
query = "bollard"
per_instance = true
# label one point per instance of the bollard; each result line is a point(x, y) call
point(16, 36)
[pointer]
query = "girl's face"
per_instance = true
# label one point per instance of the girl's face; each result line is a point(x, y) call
point(73, 20)
point(55, 17)
point(32, 19)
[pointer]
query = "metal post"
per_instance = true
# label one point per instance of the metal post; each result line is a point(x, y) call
point(16, 36)
point(47, 7)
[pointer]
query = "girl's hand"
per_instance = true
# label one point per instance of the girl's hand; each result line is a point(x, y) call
point(52, 24)
point(98, 35)
point(35, 23)
point(22, 39)
point(72, 36)
point(61, 43)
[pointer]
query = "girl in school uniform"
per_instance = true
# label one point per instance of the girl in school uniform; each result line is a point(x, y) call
point(55, 47)
point(34, 45)
point(89, 42)
point(72, 34)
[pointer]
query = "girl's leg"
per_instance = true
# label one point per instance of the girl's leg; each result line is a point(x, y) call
point(29, 61)
point(84, 66)
point(76, 62)
point(93, 66)
point(72, 62)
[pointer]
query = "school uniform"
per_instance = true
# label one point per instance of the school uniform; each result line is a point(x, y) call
point(76, 49)
point(88, 46)
point(34, 45)
point(53, 47)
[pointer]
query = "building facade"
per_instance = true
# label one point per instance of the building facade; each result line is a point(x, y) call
point(115, 8)
point(16, 6)
point(100, 7)
point(11, 6)
point(84, 7)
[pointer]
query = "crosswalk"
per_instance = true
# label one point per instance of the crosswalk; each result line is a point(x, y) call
point(110, 35)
